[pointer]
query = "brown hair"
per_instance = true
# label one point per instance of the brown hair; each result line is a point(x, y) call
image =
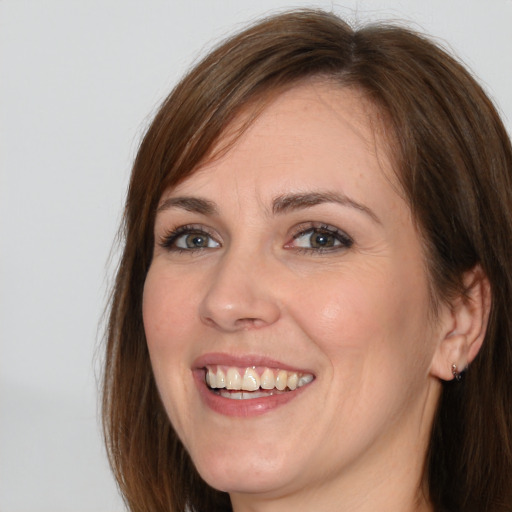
point(454, 161)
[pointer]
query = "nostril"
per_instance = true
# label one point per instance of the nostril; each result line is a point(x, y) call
point(248, 323)
point(209, 322)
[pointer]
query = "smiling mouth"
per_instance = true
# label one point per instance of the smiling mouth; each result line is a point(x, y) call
point(253, 382)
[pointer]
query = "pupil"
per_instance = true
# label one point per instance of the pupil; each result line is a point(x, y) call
point(322, 240)
point(196, 241)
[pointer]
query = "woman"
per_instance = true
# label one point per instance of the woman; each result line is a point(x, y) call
point(317, 247)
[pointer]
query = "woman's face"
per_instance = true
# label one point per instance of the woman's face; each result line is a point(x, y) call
point(292, 262)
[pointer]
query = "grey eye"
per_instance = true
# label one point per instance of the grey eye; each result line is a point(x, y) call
point(195, 240)
point(320, 239)
point(315, 238)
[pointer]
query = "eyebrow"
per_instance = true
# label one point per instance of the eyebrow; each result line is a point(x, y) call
point(280, 205)
point(191, 204)
point(290, 202)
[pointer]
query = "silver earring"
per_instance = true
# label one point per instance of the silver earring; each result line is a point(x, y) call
point(455, 373)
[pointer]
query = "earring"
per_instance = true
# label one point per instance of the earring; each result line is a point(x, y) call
point(455, 373)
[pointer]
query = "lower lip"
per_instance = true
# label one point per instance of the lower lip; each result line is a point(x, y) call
point(245, 408)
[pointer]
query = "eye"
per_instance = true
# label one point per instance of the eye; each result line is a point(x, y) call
point(320, 238)
point(195, 240)
point(189, 238)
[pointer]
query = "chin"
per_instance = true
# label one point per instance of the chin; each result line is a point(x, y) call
point(261, 470)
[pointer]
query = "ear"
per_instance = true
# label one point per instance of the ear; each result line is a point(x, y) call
point(462, 326)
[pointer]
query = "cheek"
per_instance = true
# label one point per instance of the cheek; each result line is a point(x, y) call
point(167, 310)
point(379, 315)
point(167, 316)
point(372, 329)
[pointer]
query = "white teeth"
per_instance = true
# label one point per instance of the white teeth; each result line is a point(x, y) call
point(211, 379)
point(257, 394)
point(293, 379)
point(305, 379)
point(251, 380)
point(221, 379)
point(281, 380)
point(241, 395)
point(267, 379)
point(233, 379)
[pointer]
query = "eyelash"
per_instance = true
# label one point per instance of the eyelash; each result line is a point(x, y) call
point(341, 240)
point(169, 240)
point(344, 241)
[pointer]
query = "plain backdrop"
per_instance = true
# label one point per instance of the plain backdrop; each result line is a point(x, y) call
point(79, 81)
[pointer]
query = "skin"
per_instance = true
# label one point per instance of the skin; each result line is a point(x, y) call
point(356, 315)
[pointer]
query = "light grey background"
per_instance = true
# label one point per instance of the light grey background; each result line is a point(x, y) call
point(78, 81)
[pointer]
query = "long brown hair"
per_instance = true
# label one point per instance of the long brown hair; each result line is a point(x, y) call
point(454, 161)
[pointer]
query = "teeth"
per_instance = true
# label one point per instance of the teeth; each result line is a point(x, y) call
point(221, 379)
point(293, 379)
point(305, 379)
point(232, 380)
point(251, 381)
point(281, 380)
point(241, 395)
point(211, 379)
point(267, 379)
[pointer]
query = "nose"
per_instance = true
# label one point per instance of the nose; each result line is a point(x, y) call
point(240, 295)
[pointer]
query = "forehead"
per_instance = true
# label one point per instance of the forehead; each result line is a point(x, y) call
point(314, 133)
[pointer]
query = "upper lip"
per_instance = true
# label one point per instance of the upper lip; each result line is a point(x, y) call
point(243, 361)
